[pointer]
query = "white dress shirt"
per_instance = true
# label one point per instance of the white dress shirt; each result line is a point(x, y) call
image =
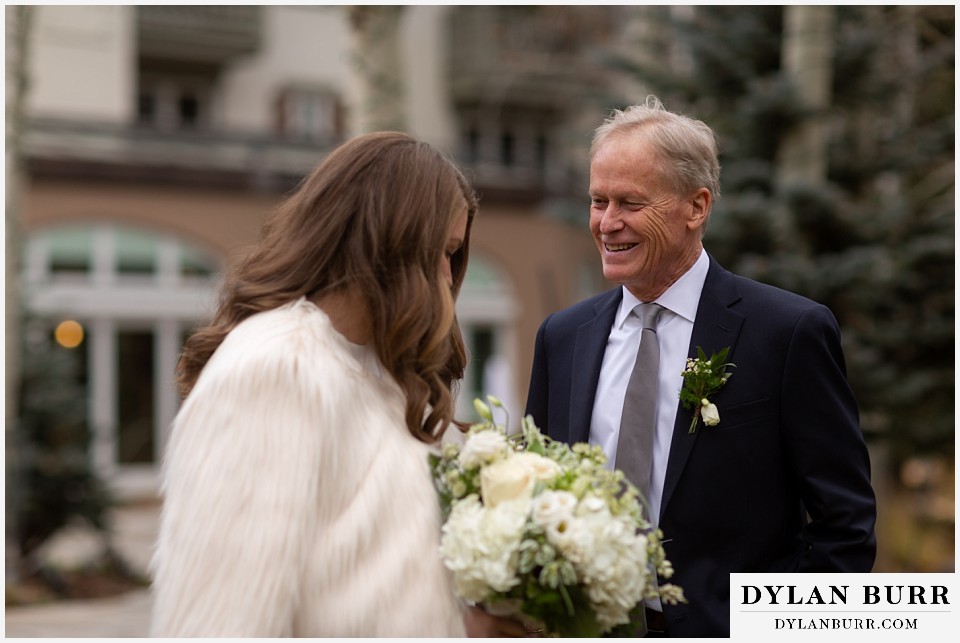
point(674, 330)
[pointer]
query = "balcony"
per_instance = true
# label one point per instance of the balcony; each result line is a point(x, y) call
point(210, 34)
point(83, 150)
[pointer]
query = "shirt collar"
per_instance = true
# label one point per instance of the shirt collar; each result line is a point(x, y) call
point(682, 298)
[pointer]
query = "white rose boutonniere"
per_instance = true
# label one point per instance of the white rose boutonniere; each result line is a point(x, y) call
point(702, 378)
point(709, 413)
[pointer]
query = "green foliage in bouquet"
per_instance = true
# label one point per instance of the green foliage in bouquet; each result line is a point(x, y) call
point(543, 531)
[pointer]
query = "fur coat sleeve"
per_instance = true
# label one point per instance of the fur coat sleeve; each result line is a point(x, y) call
point(267, 481)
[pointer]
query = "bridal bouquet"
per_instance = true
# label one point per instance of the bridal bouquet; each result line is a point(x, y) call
point(542, 531)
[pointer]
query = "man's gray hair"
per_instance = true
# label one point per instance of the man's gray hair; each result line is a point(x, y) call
point(688, 146)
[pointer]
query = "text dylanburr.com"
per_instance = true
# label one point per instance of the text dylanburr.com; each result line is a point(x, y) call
point(848, 607)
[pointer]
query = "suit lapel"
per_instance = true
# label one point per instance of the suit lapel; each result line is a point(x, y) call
point(591, 343)
point(715, 327)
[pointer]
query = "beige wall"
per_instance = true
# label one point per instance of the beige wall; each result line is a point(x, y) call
point(81, 63)
point(302, 46)
point(429, 110)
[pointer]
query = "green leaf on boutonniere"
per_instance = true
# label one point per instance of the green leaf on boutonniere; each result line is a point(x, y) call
point(703, 378)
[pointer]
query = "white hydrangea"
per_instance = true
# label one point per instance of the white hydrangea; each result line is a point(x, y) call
point(615, 569)
point(480, 546)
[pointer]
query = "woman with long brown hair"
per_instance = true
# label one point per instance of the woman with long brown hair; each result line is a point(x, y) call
point(297, 494)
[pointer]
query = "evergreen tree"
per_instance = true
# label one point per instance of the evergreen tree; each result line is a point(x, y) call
point(54, 483)
point(874, 241)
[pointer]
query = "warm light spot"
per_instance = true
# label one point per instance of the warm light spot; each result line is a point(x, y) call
point(69, 334)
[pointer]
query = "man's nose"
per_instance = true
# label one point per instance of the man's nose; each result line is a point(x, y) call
point(610, 220)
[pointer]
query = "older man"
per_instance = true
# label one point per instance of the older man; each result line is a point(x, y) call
point(782, 482)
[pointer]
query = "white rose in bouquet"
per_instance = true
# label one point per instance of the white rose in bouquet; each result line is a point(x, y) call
point(514, 478)
point(553, 508)
point(483, 447)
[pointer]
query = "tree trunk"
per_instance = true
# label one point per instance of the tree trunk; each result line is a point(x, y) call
point(17, 26)
point(808, 49)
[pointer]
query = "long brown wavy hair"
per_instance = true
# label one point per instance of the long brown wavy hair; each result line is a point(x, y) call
point(374, 217)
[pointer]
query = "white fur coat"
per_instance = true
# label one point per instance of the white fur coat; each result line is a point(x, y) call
point(295, 501)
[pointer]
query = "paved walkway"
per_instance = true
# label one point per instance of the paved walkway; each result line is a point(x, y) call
point(124, 616)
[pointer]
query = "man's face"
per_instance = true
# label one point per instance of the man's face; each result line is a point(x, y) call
point(646, 232)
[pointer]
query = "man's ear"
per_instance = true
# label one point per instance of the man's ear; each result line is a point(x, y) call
point(699, 202)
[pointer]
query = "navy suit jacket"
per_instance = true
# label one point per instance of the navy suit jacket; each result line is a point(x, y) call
point(781, 484)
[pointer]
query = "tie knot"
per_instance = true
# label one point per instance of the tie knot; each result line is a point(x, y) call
point(649, 315)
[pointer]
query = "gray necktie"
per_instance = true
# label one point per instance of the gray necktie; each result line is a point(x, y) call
point(639, 420)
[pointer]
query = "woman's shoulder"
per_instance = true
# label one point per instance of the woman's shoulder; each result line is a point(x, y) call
point(291, 335)
point(296, 325)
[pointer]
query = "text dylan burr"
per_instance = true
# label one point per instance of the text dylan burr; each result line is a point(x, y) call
point(837, 595)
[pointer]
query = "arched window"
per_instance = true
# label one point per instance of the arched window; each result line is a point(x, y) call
point(135, 293)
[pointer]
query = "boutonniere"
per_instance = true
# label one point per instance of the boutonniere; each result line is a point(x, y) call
point(702, 378)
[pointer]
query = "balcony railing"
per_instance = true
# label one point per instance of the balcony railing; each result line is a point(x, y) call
point(135, 151)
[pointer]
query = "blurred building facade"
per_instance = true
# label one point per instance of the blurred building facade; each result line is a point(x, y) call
point(158, 138)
